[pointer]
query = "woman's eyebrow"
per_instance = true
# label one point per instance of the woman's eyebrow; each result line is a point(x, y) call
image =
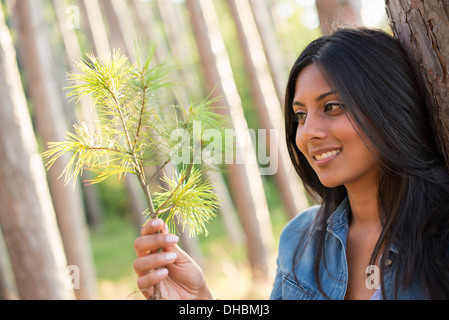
point(324, 95)
point(318, 99)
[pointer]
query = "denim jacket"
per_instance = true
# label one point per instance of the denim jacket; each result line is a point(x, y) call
point(333, 276)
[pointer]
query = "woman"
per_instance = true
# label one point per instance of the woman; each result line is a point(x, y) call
point(358, 136)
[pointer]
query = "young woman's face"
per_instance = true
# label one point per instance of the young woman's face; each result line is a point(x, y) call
point(326, 136)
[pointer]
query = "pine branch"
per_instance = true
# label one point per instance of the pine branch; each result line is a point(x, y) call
point(142, 109)
point(158, 171)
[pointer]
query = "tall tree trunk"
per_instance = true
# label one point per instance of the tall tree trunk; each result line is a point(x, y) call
point(334, 14)
point(268, 107)
point(94, 27)
point(121, 31)
point(147, 26)
point(8, 289)
point(245, 181)
point(37, 60)
point(271, 46)
point(422, 27)
point(27, 216)
point(178, 38)
point(94, 208)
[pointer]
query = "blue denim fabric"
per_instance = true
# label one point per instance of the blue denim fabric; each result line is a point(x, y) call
point(300, 284)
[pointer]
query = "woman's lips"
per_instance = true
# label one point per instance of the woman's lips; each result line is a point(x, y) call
point(323, 157)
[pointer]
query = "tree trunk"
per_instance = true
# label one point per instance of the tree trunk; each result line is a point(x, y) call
point(271, 46)
point(334, 14)
point(147, 26)
point(176, 30)
point(8, 289)
point(121, 31)
point(94, 208)
point(26, 214)
point(268, 107)
point(245, 181)
point(94, 27)
point(422, 27)
point(37, 60)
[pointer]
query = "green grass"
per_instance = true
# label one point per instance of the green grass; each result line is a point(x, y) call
point(113, 248)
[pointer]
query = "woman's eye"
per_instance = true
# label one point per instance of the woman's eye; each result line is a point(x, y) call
point(333, 107)
point(300, 115)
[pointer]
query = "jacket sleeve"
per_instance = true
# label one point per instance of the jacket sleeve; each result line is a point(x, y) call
point(276, 293)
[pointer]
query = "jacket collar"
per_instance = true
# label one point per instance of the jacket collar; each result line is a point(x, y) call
point(340, 217)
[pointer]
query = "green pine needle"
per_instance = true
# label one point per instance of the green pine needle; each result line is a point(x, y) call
point(186, 201)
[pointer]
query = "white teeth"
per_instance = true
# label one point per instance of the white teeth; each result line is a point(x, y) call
point(326, 155)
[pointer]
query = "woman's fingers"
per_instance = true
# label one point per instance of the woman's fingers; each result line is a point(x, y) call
point(148, 243)
point(149, 280)
point(152, 226)
point(154, 261)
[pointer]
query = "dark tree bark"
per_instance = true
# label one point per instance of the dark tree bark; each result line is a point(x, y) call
point(422, 27)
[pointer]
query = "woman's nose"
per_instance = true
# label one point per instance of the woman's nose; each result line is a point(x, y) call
point(313, 128)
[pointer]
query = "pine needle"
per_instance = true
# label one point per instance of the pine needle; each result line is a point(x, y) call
point(188, 202)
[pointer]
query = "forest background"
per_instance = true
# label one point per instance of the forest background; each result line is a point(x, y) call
point(98, 223)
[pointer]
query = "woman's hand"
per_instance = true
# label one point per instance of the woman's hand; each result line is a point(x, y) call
point(179, 276)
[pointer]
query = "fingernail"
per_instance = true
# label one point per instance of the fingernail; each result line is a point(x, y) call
point(172, 238)
point(162, 272)
point(170, 256)
point(156, 223)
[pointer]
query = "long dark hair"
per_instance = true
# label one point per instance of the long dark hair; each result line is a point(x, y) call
point(371, 73)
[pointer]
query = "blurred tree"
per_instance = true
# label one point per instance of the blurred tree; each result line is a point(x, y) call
point(94, 27)
point(72, 51)
point(268, 106)
point(337, 13)
point(148, 28)
point(422, 27)
point(271, 46)
point(26, 214)
point(38, 61)
point(121, 30)
point(245, 181)
point(8, 289)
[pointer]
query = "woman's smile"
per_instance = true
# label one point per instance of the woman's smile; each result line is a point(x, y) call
point(323, 156)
